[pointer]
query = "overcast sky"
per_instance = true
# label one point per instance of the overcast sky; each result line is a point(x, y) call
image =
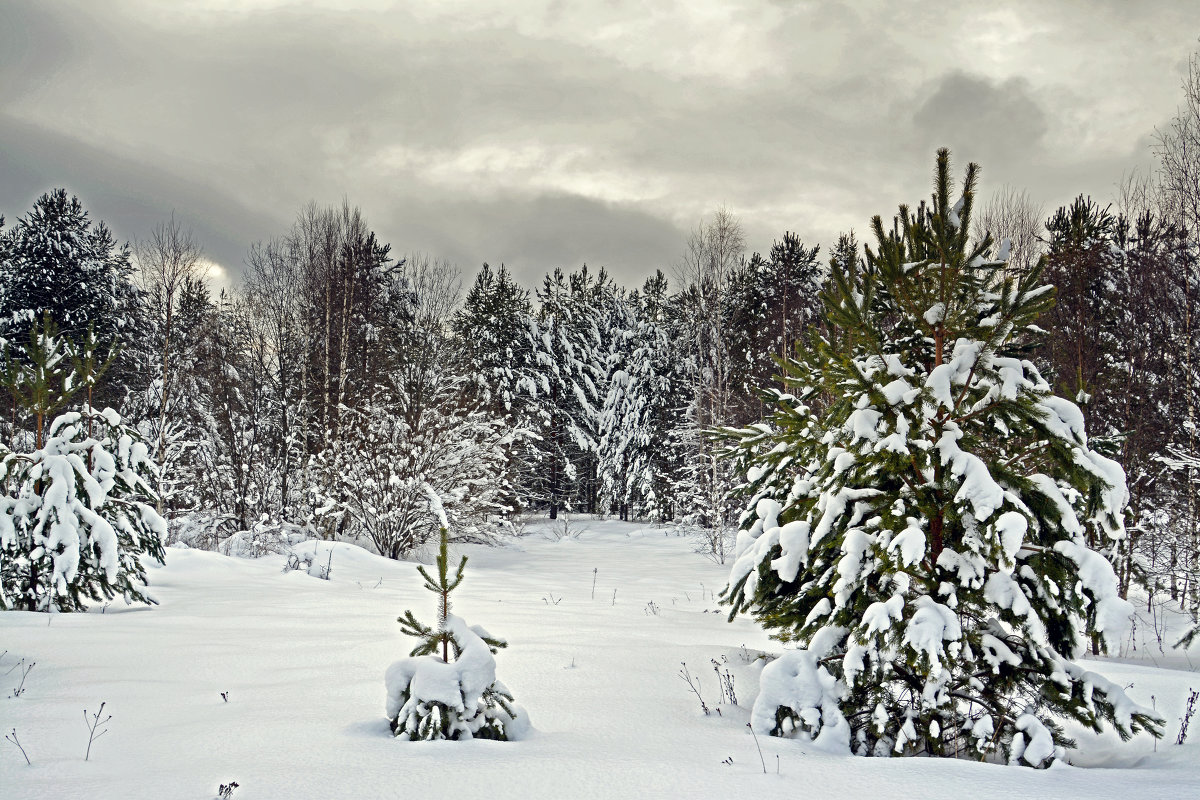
point(553, 134)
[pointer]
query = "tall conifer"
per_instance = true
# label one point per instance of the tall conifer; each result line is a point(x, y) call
point(925, 538)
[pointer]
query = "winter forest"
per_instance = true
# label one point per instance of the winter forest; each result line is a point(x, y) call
point(942, 474)
point(341, 381)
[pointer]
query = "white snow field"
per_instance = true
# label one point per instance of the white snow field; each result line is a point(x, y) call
point(302, 661)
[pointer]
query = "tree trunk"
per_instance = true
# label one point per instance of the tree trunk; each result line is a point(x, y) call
point(162, 406)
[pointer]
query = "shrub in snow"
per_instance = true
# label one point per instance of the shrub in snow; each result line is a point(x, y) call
point(312, 563)
point(266, 537)
point(926, 519)
point(447, 688)
point(379, 471)
point(77, 515)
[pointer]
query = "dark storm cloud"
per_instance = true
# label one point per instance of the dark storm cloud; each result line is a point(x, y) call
point(550, 135)
point(532, 236)
point(998, 121)
point(130, 196)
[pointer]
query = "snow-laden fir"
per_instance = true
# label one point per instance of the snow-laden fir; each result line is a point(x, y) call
point(78, 517)
point(927, 521)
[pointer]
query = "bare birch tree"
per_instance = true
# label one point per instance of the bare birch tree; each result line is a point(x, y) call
point(1178, 152)
point(167, 260)
point(714, 250)
point(274, 289)
point(1010, 214)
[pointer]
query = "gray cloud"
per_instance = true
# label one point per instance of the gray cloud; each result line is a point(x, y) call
point(130, 196)
point(549, 135)
point(532, 236)
point(1000, 122)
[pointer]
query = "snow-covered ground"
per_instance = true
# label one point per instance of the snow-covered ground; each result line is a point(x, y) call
point(302, 663)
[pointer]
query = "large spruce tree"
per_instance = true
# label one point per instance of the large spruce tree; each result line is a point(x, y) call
point(56, 261)
point(497, 340)
point(496, 333)
point(924, 539)
point(770, 303)
point(641, 407)
point(570, 384)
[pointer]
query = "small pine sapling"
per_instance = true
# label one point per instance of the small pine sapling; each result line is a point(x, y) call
point(447, 687)
point(432, 640)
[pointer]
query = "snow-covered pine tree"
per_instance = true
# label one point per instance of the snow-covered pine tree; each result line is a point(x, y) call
point(569, 381)
point(794, 292)
point(748, 309)
point(616, 416)
point(610, 309)
point(447, 687)
point(498, 347)
point(924, 538)
point(57, 262)
point(770, 303)
point(78, 516)
point(496, 335)
point(78, 511)
point(641, 407)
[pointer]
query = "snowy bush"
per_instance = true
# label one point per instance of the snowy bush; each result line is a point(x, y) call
point(379, 473)
point(796, 693)
point(447, 687)
point(266, 537)
point(199, 530)
point(77, 515)
point(314, 562)
point(926, 519)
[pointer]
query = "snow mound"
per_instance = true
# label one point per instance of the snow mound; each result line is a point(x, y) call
point(798, 696)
